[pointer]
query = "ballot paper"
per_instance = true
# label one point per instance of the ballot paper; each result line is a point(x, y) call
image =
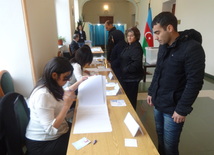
point(92, 111)
point(130, 142)
point(118, 103)
point(81, 143)
point(111, 84)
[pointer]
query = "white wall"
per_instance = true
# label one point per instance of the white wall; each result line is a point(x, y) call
point(15, 50)
point(14, 55)
point(195, 14)
point(64, 20)
point(43, 32)
point(156, 7)
point(121, 10)
point(199, 14)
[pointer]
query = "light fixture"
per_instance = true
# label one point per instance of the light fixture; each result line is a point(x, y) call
point(105, 7)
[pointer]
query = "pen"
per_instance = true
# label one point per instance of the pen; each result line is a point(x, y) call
point(95, 141)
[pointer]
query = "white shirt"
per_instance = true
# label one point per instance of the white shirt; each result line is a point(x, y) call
point(43, 110)
point(76, 76)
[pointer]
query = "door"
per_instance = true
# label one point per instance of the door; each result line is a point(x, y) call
point(103, 19)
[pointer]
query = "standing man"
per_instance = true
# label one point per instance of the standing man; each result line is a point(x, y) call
point(177, 80)
point(110, 28)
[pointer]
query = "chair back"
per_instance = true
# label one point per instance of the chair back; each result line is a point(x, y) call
point(14, 118)
point(6, 83)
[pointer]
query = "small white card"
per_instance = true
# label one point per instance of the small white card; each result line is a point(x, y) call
point(111, 84)
point(81, 143)
point(110, 75)
point(130, 142)
point(114, 91)
point(117, 103)
point(132, 125)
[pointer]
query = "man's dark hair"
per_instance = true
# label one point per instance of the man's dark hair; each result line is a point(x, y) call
point(165, 19)
point(109, 22)
point(75, 36)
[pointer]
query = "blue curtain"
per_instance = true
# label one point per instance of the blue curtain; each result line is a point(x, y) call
point(91, 30)
point(120, 27)
point(99, 35)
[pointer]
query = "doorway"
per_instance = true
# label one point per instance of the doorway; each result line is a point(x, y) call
point(103, 19)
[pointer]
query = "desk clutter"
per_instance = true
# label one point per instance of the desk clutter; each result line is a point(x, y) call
point(106, 117)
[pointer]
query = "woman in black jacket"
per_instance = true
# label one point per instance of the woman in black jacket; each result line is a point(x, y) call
point(82, 35)
point(131, 65)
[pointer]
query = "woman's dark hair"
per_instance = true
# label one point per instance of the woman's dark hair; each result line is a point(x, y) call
point(58, 65)
point(78, 27)
point(136, 32)
point(165, 19)
point(83, 56)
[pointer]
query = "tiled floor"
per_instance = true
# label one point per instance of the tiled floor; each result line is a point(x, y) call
point(197, 137)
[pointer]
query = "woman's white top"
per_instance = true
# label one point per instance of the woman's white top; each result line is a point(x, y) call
point(43, 110)
point(77, 74)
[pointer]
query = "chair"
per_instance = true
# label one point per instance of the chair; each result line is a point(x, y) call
point(6, 83)
point(14, 118)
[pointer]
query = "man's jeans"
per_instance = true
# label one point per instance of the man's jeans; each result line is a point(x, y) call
point(168, 133)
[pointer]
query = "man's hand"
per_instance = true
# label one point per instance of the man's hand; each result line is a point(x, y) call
point(178, 118)
point(149, 100)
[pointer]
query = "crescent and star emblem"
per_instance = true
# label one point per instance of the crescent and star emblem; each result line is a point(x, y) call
point(148, 35)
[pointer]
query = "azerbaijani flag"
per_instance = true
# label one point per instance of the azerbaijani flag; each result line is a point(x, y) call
point(148, 34)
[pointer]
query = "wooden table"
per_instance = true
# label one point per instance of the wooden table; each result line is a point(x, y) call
point(112, 143)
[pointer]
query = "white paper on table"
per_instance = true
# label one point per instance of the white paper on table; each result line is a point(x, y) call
point(118, 103)
point(132, 125)
point(92, 111)
point(91, 69)
point(92, 91)
point(92, 119)
point(81, 143)
point(130, 142)
point(101, 67)
point(104, 69)
point(95, 49)
point(110, 75)
point(111, 84)
point(114, 91)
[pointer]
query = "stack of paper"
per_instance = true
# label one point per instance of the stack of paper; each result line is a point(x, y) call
point(92, 111)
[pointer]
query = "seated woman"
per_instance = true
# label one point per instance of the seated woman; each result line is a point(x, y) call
point(47, 131)
point(83, 57)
